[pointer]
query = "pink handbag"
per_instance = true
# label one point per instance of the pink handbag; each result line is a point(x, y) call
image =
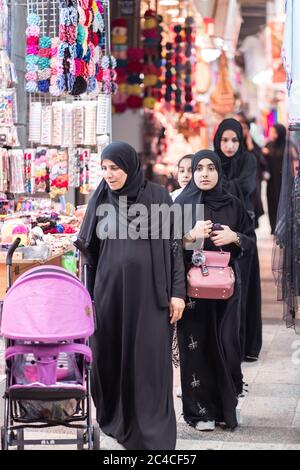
point(212, 278)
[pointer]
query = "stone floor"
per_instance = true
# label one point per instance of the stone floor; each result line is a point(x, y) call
point(270, 411)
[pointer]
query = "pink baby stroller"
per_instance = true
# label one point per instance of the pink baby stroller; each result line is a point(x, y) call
point(47, 319)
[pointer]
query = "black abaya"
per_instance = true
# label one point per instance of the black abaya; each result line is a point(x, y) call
point(208, 334)
point(132, 370)
point(240, 180)
point(132, 346)
point(274, 158)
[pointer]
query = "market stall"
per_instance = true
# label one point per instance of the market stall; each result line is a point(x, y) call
point(70, 77)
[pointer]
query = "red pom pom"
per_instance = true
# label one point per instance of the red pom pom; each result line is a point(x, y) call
point(121, 72)
point(150, 14)
point(95, 39)
point(134, 67)
point(120, 107)
point(121, 22)
point(134, 102)
point(99, 75)
point(150, 33)
point(89, 38)
point(87, 17)
point(135, 53)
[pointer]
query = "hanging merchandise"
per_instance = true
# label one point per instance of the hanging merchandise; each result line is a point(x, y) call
point(35, 119)
point(152, 58)
point(29, 180)
point(90, 119)
point(291, 61)
point(134, 83)
point(179, 64)
point(203, 76)
point(78, 124)
point(95, 171)
point(68, 125)
point(44, 69)
point(102, 142)
point(74, 167)
point(46, 125)
point(58, 166)
point(3, 24)
point(8, 74)
point(41, 171)
point(75, 62)
point(68, 21)
point(222, 98)
point(57, 123)
point(4, 170)
point(169, 75)
point(85, 171)
point(16, 161)
point(7, 100)
point(119, 49)
point(189, 66)
point(32, 52)
point(103, 105)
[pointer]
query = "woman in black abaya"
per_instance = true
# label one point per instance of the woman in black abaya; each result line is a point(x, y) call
point(208, 334)
point(239, 178)
point(139, 290)
point(274, 152)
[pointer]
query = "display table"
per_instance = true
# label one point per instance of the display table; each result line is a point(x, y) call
point(21, 265)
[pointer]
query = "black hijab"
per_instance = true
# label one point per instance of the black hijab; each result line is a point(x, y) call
point(277, 147)
point(137, 190)
point(214, 198)
point(126, 158)
point(231, 166)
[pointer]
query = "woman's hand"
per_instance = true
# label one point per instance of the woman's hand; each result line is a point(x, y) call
point(265, 151)
point(201, 229)
point(223, 237)
point(176, 308)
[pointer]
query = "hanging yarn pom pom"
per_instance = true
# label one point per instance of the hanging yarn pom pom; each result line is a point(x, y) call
point(33, 19)
point(92, 83)
point(32, 59)
point(68, 16)
point(31, 86)
point(30, 67)
point(31, 76)
point(44, 63)
point(43, 86)
point(32, 50)
point(61, 82)
point(33, 30)
point(79, 87)
point(54, 90)
point(45, 42)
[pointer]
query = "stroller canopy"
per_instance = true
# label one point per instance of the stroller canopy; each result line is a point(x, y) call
point(47, 304)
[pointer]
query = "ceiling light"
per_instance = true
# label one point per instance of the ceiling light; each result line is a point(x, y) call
point(168, 3)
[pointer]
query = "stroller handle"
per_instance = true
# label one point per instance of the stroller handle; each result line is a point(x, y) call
point(11, 251)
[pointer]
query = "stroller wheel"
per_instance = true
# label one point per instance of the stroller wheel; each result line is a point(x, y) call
point(80, 439)
point(96, 437)
point(20, 439)
point(4, 445)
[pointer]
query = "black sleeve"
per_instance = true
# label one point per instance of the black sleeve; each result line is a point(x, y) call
point(178, 280)
point(246, 181)
point(245, 230)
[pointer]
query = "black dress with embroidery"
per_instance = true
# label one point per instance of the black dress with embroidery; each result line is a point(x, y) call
point(208, 336)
